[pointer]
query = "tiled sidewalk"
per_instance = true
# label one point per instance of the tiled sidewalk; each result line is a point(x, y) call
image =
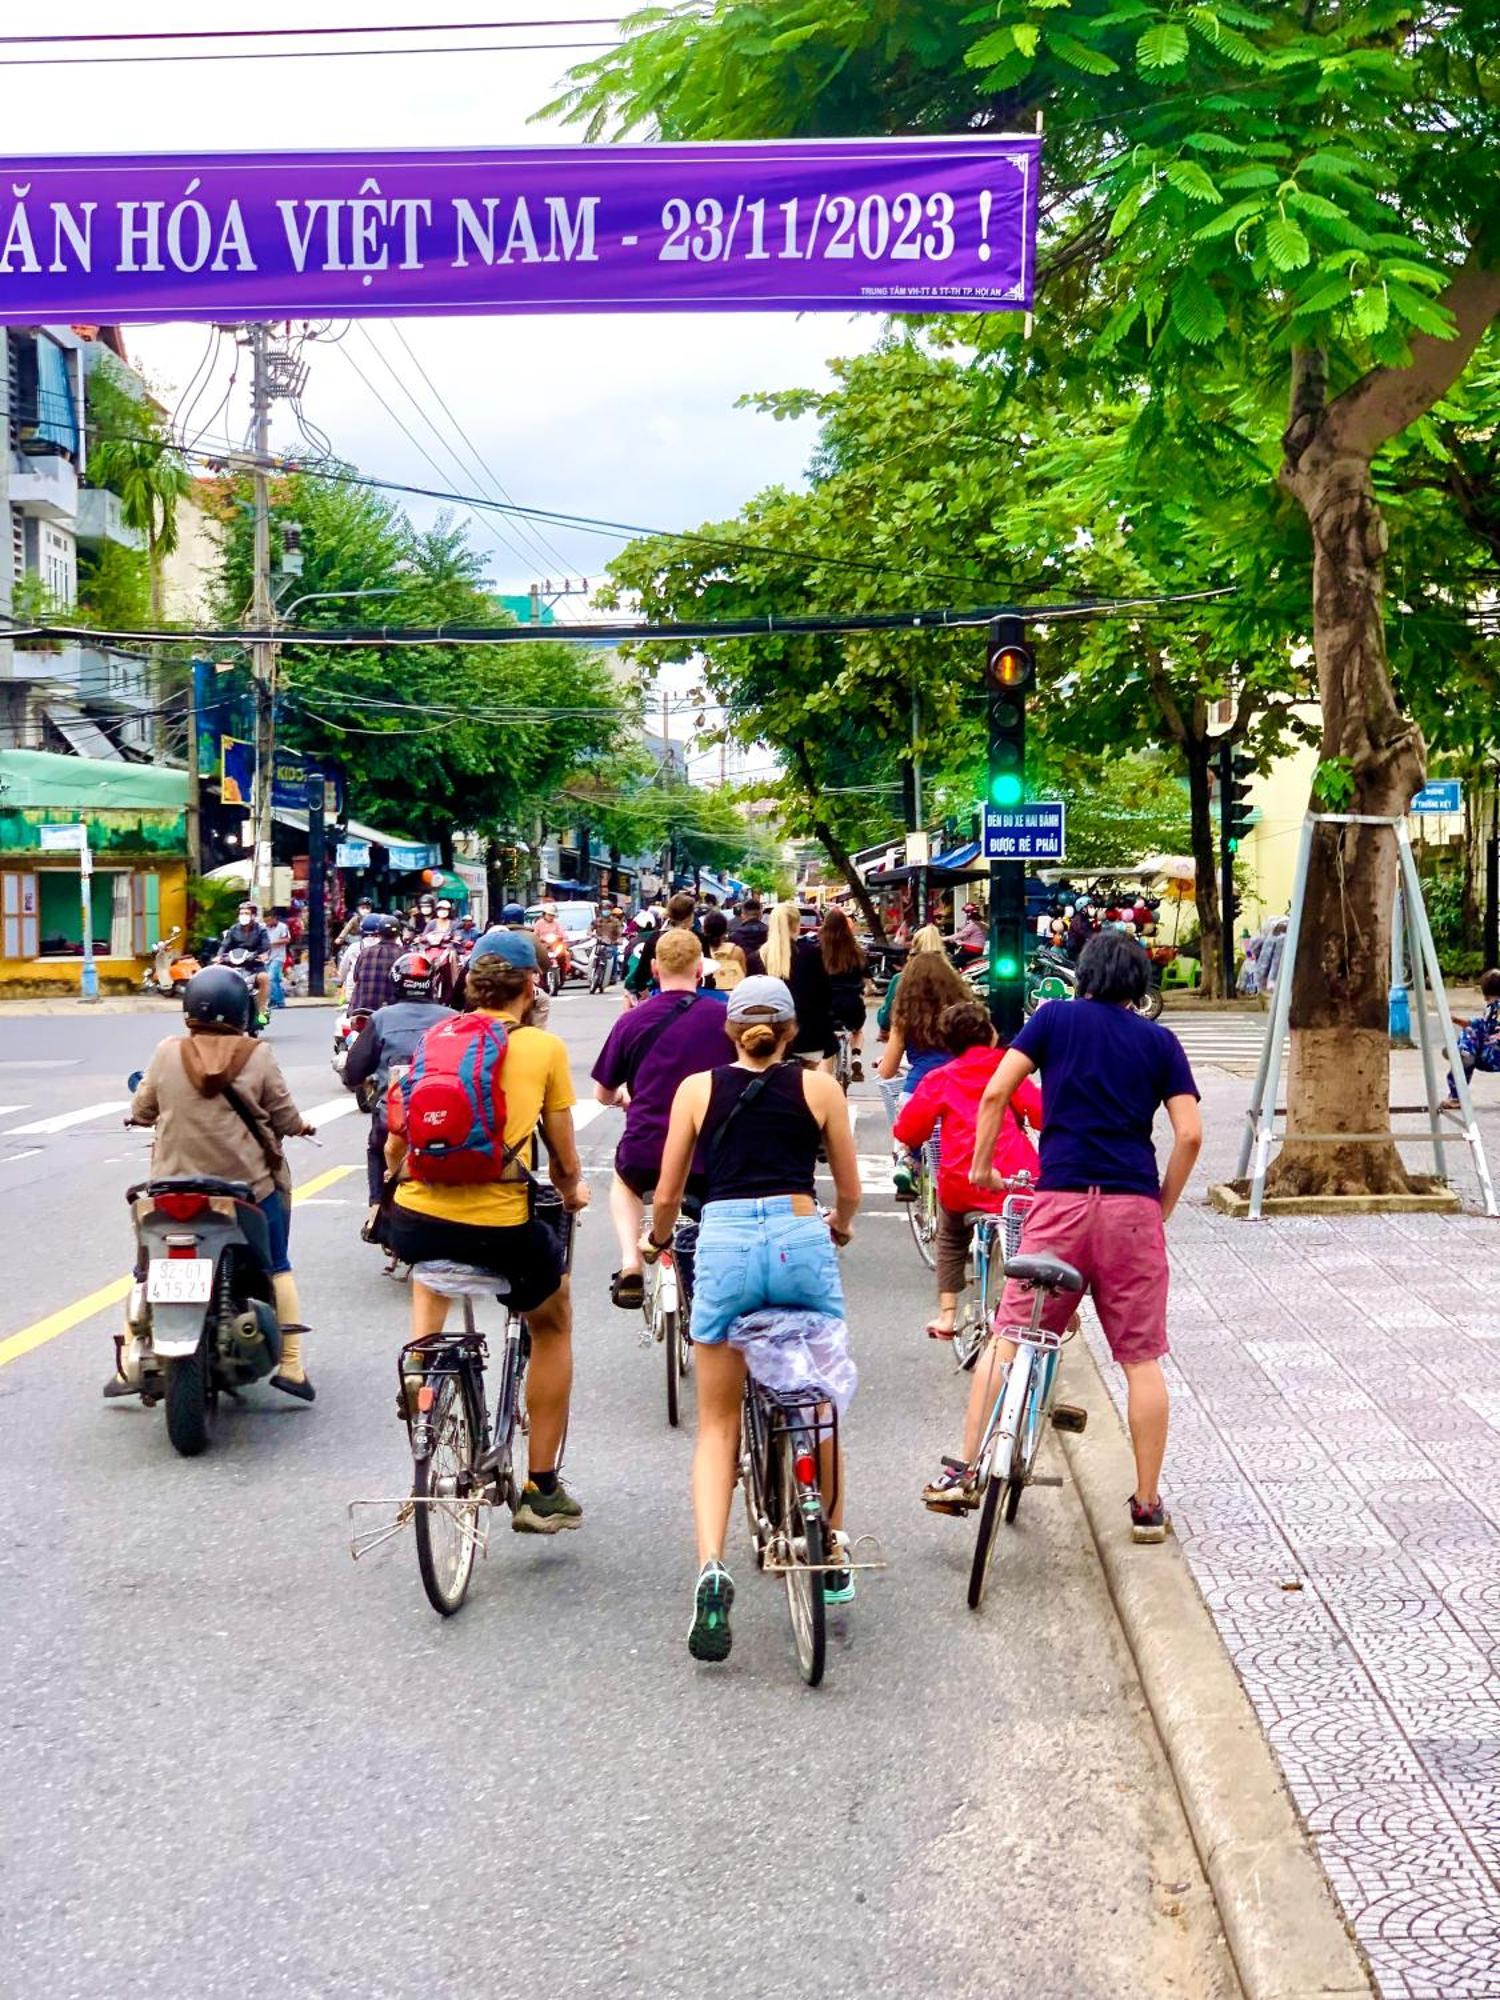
point(1334, 1475)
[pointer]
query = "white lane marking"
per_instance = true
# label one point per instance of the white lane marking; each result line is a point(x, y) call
point(586, 1112)
point(41, 1062)
point(11, 1158)
point(336, 1107)
point(64, 1119)
point(8, 1110)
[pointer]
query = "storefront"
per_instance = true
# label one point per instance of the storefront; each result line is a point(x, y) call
point(137, 835)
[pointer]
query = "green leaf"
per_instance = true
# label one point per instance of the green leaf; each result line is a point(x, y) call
point(793, 38)
point(1027, 35)
point(1251, 177)
point(1230, 219)
point(1163, 47)
point(1329, 292)
point(1196, 311)
point(1315, 205)
point(1372, 309)
point(1286, 245)
point(1129, 207)
point(1190, 179)
point(1418, 311)
point(1212, 142)
point(1078, 55)
point(1224, 41)
point(993, 48)
point(1119, 323)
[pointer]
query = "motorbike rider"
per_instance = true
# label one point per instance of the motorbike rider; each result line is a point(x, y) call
point(971, 936)
point(512, 919)
point(199, 1131)
point(249, 934)
point(550, 935)
point(682, 909)
point(362, 909)
point(609, 934)
point(368, 984)
point(440, 929)
point(389, 1037)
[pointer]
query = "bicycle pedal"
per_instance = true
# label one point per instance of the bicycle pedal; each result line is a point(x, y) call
point(1069, 1417)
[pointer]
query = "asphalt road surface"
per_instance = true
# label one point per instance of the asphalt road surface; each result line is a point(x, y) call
point(236, 1764)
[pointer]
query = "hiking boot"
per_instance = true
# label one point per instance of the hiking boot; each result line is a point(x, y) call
point(1149, 1524)
point(546, 1513)
point(709, 1637)
point(953, 1491)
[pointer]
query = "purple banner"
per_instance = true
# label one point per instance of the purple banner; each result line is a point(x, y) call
point(883, 225)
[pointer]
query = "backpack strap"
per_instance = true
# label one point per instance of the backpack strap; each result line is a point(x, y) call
point(748, 1095)
point(648, 1041)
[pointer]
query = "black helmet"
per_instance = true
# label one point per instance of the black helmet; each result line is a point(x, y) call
point(217, 995)
point(414, 976)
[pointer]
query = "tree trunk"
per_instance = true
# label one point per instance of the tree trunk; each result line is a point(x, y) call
point(1339, 1077)
point(835, 849)
point(1196, 752)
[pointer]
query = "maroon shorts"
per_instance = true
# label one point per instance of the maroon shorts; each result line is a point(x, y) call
point(1116, 1244)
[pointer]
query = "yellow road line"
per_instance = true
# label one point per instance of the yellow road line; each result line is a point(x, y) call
point(42, 1330)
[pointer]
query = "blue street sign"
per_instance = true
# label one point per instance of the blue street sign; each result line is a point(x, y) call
point(1036, 832)
point(1445, 796)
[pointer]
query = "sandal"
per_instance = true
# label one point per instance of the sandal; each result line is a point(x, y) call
point(628, 1290)
point(937, 1331)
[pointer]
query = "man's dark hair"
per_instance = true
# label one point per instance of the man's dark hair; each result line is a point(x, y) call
point(715, 928)
point(750, 907)
point(682, 908)
point(1489, 985)
point(1113, 968)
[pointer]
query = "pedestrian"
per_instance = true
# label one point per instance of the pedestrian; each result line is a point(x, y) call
point(1479, 1039)
point(788, 955)
point(280, 934)
point(1106, 1071)
point(750, 934)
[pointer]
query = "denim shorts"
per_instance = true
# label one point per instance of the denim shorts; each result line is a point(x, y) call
point(757, 1253)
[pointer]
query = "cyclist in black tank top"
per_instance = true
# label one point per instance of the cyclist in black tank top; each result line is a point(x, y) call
point(760, 1122)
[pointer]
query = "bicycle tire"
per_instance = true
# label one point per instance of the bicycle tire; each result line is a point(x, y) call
point(922, 1215)
point(984, 1543)
point(445, 1548)
point(672, 1348)
point(804, 1587)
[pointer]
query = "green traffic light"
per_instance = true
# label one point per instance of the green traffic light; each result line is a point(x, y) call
point(1007, 968)
point(1006, 789)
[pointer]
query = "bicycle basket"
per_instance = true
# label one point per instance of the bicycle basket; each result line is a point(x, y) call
point(1013, 1213)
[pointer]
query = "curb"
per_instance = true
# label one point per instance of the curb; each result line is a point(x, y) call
point(1285, 1932)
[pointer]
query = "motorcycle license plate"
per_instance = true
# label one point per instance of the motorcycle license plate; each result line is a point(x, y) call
point(180, 1281)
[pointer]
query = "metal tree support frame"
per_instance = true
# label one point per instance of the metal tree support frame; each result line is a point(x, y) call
point(1260, 1119)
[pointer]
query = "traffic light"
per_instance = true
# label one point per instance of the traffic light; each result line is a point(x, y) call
point(1010, 668)
point(1235, 806)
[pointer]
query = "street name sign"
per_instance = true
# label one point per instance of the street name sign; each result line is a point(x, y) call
point(1036, 832)
point(931, 224)
point(1446, 795)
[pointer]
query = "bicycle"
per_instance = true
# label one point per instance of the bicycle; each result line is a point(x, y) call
point(922, 1210)
point(781, 1455)
point(991, 1234)
point(843, 1058)
point(463, 1463)
point(1005, 1464)
point(667, 1307)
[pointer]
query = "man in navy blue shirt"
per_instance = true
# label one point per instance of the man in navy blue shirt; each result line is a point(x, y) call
point(1106, 1071)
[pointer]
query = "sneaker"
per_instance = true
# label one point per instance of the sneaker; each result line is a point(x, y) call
point(709, 1637)
point(953, 1491)
point(906, 1183)
point(1149, 1524)
point(838, 1584)
point(546, 1513)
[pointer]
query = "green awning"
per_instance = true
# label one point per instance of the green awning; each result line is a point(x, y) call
point(38, 781)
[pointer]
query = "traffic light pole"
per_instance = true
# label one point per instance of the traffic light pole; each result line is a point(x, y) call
point(1226, 865)
point(1009, 670)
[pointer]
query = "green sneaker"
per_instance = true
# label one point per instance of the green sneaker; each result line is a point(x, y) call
point(545, 1513)
point(906, 1182)
point(709, 1636)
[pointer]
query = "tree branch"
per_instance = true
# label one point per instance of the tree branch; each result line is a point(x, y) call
point(1161, 693)
point(1381, 404)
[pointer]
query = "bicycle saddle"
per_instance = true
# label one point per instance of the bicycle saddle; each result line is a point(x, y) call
point(1050, 1273)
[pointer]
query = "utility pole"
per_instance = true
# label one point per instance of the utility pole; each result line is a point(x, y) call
point(194, 794)
point(262, 611)
point(1492, 876)
point(317, 887)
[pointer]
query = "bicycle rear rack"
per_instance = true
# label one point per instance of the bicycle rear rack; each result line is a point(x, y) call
point(364, 1542)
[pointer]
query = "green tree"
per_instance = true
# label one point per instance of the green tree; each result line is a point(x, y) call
point(131, 456)
point(1280, 220)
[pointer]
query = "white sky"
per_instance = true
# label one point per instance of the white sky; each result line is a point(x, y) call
point(629, 417)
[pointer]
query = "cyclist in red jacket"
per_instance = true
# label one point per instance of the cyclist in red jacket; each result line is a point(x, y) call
point(951, 1095)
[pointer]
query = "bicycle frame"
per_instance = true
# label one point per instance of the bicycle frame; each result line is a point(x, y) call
point(808, 1427)
point(1027, 1382)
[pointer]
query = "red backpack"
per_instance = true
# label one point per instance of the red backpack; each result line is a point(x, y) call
point(452, 1103)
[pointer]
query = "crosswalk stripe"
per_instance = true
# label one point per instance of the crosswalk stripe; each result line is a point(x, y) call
point(9, 1110)
point(64, 1119)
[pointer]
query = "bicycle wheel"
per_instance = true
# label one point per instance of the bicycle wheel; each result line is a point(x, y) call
point(922, 1213)
point(806, 1542)
point(984, 1544)
point(1029, 1438)
point(1000, 1468)
point(671, 1346)
point(444, 1526)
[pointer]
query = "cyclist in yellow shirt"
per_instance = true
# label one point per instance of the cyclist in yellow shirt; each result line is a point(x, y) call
point(489, 1224)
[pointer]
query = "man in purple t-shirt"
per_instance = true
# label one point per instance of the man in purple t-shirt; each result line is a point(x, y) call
point(673, 1034)
point(1106, 1072)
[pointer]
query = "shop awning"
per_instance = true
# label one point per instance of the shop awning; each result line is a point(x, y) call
point(80, 731)
point(39, 780)
point(957, 857)
point(394, 843)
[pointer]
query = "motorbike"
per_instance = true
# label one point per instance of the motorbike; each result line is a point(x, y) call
point(555, 971)
point(249, 968)
point(1051, 975)
point(201, 1321)
point(171, 968)
point(346, 1032)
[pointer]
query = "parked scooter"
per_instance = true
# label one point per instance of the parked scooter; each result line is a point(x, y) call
point(171, 968)
point(201, 1321)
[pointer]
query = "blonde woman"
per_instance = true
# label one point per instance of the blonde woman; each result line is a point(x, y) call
point(798, 962)
point(758, 1123)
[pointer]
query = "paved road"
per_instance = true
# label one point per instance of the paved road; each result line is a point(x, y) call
point(235, 1764)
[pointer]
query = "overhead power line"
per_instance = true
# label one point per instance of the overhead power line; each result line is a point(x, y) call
point(305, 55)
point(291, 34)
